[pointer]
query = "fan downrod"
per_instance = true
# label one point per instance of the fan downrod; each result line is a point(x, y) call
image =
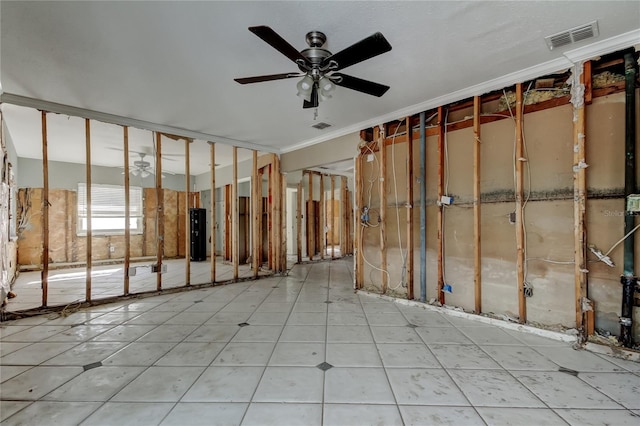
point(316, 39)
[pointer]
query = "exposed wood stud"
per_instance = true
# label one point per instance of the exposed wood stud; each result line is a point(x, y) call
point(44, 275)
point(323, 219)
point(409, 210)
point(580, 200)
point(283, 221)
point(234, 216)
point(212, 224)
point(520, 248)
point(310, 226)
point(344, 225)
point(441, 130)
point(127, 210)
point(270, 217)
point(160, 212)
point(379, 136)
point(358, 246)
point(87, 131)
point(477, 252)
point(187, 214)
point(255, 225)
point(299, 222)
point(333, 215)
point(261, 214)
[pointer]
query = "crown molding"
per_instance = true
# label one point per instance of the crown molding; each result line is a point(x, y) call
point(602, 47)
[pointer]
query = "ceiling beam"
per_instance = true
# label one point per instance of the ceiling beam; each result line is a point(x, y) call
point(48, 106)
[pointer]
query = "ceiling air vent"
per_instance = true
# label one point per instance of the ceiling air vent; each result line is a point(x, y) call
point(573, 35)
point(321, 125)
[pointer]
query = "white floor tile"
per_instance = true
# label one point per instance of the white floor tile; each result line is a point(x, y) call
point(349, 334)
point(519, 358)
point(124, 333)
point(225, 384)
point(139, 354)
point(290, 384)
point(9, 371)
point(36, 353)
point(361, 414)
point(346, 318)
point(386, 318)
point(187, 354)
point(9, 408)
point(407, 355)
point(310, 307)
point(562, 390)
point(159, 384)
point(578, 360)
point(79, 333)
point(47, 412)
point(357, 385)
point(395, 335)
point(245, 354)
point(205, 414)
point(417, 415)
point(488, 388)
point(190, 318)
point(33, 384)
point(462, 356)
point(258, 333)
point(353, 355)
point(494, 416)
point(86, 353)
point(598, 417)
point(97, 384)
point(303, 333)
point(129, 413)
point(213, 333)
point(32, 334)
point(489, 335)
point(442, 335)
point(413, 386)
point(624, 388)
point(268, 318)
point(297, 354)
point(168, 333)
point(307, 318)
point(8, 347)
point(267, 414)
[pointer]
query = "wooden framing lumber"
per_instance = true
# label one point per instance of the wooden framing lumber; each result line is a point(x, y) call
point(580, 198)
point(299, 222)
point(212, 224)
point(409, 210)
point(310, 227)
point(441, 130)
point(283, 221)
point(87, 132)
point(187, 214)
point(256, 199)
point(160, 212)
point(344, 209)
point(276, 182)
point(520, 248)
point(359, 273)
point(127, 209)
point(323, 219)
point(270, 217)
point(379, 135)
point(333, 215)
point(477, 251)
point(234, 216)
point(44, 274)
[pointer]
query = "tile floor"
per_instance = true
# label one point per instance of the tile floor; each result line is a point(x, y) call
point(302, 349)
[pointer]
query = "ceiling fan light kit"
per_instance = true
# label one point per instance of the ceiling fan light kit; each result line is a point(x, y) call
point(318, 66)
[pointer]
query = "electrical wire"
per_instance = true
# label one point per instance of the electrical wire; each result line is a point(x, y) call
point(621, 240)
point(403, 256)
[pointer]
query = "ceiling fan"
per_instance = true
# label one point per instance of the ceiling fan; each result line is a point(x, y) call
point(319, 67)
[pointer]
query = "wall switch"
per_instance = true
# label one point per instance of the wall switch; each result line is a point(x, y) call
point(446, 200)
point(512, 218)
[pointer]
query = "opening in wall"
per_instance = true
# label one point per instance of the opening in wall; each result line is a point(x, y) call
point(108, 209)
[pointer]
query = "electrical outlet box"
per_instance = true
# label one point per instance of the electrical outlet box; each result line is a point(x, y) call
point(512, 218)
point(446, 200)
point(161, 270)
point(633, 203)
point(132, 271)
point(112, 249)
point(370, 158)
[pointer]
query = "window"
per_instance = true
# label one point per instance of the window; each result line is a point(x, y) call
point(108, 209)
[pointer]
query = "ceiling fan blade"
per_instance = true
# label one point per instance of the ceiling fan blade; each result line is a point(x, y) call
point(258, 79)
point(367, 48)
point(364, 86)
point(277, 42)
point(313, 102)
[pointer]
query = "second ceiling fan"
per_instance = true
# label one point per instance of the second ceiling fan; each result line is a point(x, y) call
point(318, 67)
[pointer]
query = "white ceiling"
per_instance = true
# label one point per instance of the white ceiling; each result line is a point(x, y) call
point(173, 63)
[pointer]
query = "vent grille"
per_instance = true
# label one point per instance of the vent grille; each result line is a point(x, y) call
point(321, 125)
point(573, 35)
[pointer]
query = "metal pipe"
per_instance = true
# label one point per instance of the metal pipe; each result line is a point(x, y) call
point(423, 210)
point(628, 279)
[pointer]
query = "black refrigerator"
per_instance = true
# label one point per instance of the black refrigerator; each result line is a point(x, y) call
point(198, 234)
